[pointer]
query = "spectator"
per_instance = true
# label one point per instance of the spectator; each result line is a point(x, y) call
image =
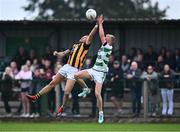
point(28, 63)
point(48, 77)
point(151, 78)
point(59, 88)
point(133, 75)
point(167, 91)
point(36, 86)
point(75, 100)
point(170, 60)
point(42, 63)
point(35, 65)
point(150, 57)
point(124, 64)
point(14, 69)
point(132, 54)
point(177, 56)
point(117, 88)
point(111, 60)
point(32, 55)
point(87, 63)
point(7, 89)
point(139, 60)
point(159, 64)
point(139, 51)
point(163, 52)
point(25, 76)
point(20, 58)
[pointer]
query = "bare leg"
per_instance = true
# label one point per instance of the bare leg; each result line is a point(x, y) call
point(98, 89)
point(23, 102)
point(57, 79)
point(79, 77)
point(27, 104)
point(67, 91)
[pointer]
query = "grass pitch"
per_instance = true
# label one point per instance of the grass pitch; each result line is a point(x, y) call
point(82, 127)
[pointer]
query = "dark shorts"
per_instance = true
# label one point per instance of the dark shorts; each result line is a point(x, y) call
point(25, 89)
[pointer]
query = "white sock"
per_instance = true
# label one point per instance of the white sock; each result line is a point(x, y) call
point(101, 112)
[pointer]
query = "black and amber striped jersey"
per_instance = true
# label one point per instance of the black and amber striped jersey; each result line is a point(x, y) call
point(78, 54)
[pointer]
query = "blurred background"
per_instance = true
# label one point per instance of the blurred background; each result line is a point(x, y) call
point(147, 31)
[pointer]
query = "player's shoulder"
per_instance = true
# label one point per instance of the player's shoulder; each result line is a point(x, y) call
point(107, 46)
point(86, 46)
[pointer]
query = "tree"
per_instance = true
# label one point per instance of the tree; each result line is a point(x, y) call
point(56, 9)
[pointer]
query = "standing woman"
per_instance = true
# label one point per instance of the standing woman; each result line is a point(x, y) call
point(167, 91)
point(25, 76)
point(7, 89)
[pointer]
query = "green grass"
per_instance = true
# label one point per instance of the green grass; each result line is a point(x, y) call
point(55, 126)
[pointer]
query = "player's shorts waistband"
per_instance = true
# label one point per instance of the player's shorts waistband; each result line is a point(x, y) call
point(72, 66)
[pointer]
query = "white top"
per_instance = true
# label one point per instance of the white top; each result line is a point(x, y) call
point(102, 60)
point(22, 75)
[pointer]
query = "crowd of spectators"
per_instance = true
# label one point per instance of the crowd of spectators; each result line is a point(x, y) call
point(137, 64)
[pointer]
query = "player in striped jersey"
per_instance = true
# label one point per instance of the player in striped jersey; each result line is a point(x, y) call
point(99, 70)
point(76, 58)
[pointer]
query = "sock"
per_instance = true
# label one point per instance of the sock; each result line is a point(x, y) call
point(101, 112)
point(38, 95)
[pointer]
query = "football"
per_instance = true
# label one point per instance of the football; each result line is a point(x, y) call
point(91, 14)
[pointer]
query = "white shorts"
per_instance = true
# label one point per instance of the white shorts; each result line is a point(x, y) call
point(97, 76)
point(68, 71)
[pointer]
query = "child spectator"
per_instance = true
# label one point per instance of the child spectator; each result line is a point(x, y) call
point(25, 77)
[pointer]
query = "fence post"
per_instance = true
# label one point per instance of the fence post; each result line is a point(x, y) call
point(145, 99)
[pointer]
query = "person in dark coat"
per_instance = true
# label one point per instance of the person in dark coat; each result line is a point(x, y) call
point(116, 84)
point(6, 89)
point(133, 75)
point(167, 91)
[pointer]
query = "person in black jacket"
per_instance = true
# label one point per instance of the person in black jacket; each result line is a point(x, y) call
point(133, 75)
point(7, 89)
point(166, 85)
point(116, 84)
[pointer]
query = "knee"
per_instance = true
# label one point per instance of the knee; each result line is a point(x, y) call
point(66, 92)
point(97, 94)
point(76, 76)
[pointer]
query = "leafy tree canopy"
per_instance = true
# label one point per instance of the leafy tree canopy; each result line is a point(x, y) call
point(56, 9)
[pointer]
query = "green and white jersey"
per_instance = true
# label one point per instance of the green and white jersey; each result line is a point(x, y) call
point(102, 60)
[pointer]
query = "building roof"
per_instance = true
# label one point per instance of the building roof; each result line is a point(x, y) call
point(111, 20)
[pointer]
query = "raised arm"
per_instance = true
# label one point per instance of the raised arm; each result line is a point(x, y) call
point(91, 34)
point(61, 54)
point(101, 30)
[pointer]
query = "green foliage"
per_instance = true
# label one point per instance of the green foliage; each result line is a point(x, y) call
point(50, 9)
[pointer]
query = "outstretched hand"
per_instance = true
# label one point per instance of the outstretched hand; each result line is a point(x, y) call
point(58, 54)
point(100, 19)
point(55, 53)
